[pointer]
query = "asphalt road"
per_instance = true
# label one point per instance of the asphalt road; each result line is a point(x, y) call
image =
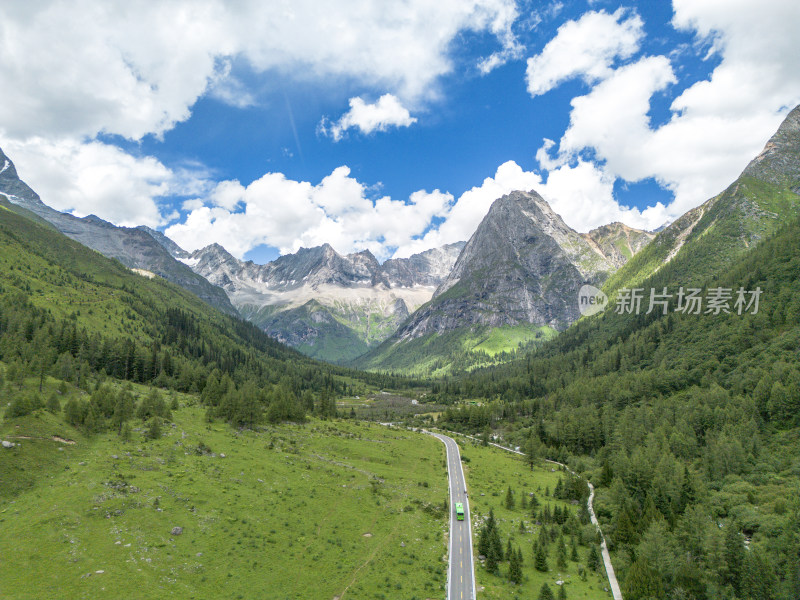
point(461, 572)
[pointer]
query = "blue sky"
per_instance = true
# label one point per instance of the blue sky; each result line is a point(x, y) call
point(268, 126)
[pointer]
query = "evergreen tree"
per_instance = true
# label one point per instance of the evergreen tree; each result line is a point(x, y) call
point(573, 556)
point(561, 553)
point(514, 566)
point(532, 450)
point(734, 558)
point(493, 556)
point(509, 550)
point(562, 592)
point(759, 580)
point(540, 558)
point(593, 560)
point(523, 503)
point(509, 499)
point(534, 506)
point(642, 582)
point(53, 404)
point(545, 593)
point(153, 429)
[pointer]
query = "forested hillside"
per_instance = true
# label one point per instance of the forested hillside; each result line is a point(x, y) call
point(68, 311)
point(689, 424)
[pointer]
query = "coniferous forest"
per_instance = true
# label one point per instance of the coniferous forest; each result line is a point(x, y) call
point(686, 424)
point(69, 312)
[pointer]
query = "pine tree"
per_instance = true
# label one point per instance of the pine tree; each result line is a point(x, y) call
point(509, 550)
point(534, 506)
point(642, 582)
point(514, 566)
point(53, 404)
point(593, 560)
point(734, 558)
point(495, 545)
point(125, 433)
point(509, 499)
point(546, 593)
point(485, 536)
point(523, 503)
point(574, 552)
point(561, 553)
point(540, 559)
point(533, 449)
point(562, 592)
point(493, 556)
point(154, 429)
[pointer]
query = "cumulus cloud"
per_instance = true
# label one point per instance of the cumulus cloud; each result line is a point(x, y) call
point(464, 216)
point(716, 126)
point(583, 194)
point(136, 68)
point(74, 70)
point(88, 178)
point(586, 48)
point(290, 214)
point(387, 112)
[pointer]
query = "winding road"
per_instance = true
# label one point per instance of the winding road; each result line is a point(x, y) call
point(461, 571)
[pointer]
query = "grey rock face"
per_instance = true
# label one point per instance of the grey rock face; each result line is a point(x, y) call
point(618, 242)
point(317, 299)
point(522, 265)
point(136, 248)
point(426, 268)
point(779, 161)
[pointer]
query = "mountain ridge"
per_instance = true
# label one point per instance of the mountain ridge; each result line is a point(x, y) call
point(136, 248)
point(329, 305)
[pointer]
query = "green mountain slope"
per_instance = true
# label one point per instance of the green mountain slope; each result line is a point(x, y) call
point(297, 511)
point(314, 329)
point(712, 235)
point(455, 351)
point(65, 308)
point(687, 424)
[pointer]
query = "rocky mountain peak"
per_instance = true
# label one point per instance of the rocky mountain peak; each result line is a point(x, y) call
point(523, 264)
point(779, 161)
point(11, 185)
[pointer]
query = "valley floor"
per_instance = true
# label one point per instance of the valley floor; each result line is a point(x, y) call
point(321, 510)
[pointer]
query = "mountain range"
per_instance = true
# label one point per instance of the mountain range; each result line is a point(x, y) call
point(339, 307)
point(514, 281)
point(327, 305)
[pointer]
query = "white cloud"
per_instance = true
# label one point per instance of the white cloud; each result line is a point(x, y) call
point(387, 112)
point(583, 195)
point(585, 48)
point(95, 178)
point(465, 215)
point(134, 68)
point(290, 214)
point(717, 125)
point(71, 71)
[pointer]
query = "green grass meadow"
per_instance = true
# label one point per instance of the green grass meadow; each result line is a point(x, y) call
point(319, 510)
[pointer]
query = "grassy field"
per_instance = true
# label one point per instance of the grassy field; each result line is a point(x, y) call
point(319, 510)
point(489, 472)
